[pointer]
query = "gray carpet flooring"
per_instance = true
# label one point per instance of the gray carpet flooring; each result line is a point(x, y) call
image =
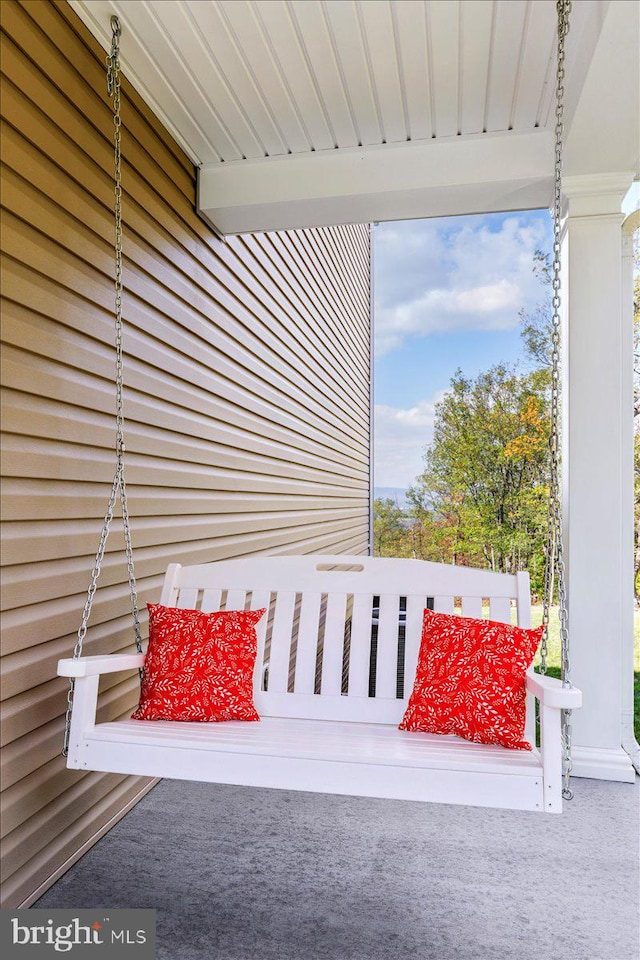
point(250, 874)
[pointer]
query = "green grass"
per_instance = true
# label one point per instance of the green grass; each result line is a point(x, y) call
point(553, 656)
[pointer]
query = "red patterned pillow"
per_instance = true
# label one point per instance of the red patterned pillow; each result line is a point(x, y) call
point(199, 666)
point(470, 680)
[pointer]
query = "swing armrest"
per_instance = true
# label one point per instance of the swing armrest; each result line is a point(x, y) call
point(550, 692)
point(91, 666)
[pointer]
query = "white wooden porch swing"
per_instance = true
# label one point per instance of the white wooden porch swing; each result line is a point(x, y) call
point(338, 650)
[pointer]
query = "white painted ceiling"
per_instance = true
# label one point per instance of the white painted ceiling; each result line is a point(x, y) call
point(262, 78)
point(241, 81)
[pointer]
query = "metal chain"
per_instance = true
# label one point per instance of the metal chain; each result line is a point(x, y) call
point(555, 566)
point(118, 487)
point(113, 88)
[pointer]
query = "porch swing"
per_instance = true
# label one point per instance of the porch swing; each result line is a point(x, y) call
point(330, 621)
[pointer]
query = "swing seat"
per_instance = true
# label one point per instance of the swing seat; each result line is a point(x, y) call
point(336, 661)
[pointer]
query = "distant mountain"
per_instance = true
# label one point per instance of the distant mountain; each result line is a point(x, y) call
point(399, 494)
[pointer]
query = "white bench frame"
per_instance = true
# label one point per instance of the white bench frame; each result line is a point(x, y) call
point(331, 741)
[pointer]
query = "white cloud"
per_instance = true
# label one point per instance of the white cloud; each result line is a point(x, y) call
point(400, 438)
point(432, 277)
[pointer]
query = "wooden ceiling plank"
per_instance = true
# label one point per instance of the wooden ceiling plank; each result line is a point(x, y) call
point(537, 53)
point(149, 80)
point(314, 36)
point(349, 43)
point(475, 26)
point(442, 26)
point(151, 49)
point(279, 29)
point(214, 103)
point(412, 43)
point(262, 64)
point(244, 104)
point(503, 73)
point(380, 39)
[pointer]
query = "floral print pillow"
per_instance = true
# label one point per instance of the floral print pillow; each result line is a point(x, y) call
point(199, 666)
point(470, 680)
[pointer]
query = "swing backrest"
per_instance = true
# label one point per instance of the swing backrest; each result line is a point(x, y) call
point(341, 636)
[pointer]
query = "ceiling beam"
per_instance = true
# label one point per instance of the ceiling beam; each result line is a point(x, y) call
point(444, 177)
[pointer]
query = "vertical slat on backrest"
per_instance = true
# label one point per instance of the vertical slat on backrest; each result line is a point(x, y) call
point(188, 598)
point(500, 609)
point(169, 595)
point(307, 647)
point(530, 720)
point(211, 600)
point(360, 652)
point(443, 604)
point(260, 599)
point(413, 636)
point(472, 607)
point(387, 656)
point(281, 641)
point(333, 644)
point(235, 600)
point(524, 599)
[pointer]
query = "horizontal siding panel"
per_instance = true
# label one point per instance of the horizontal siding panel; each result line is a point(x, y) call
point(21, 240)
point(34, 457)
point(268, 251)
point(80, 799)
point(60, 500)
point(31, 752)
point(79, 233)
point(224, 403)
point(61, 540)
point(30, 709)
point(57, 620)
point(32, 666)
point(91, 134)
point(189, 368)
point(295, 351)
point(247, 404)
point(287, 251)
point(34, 790)
point(38, 700)
point(240, 270)
point(215, 442)
point(106, 800)
point(60, 61)
point(177, 448)
point(333, 291)
point(67, 578)
point(29, 626)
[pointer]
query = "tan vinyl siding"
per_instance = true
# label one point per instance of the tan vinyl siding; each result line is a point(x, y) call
point(247, 404)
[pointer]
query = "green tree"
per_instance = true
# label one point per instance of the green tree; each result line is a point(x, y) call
point(481, 497)
point(389, 529)
point(536, 325)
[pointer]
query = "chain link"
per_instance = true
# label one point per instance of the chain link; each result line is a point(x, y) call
point(555, 574)
point(118, 487)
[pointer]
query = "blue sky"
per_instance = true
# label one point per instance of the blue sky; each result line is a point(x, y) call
point(448, 293)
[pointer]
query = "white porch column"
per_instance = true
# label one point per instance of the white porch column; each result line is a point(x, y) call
point(598, 471)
